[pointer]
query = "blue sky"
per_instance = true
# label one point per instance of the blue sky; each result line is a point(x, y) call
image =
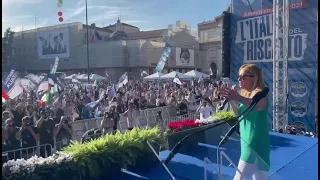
point(146, 14)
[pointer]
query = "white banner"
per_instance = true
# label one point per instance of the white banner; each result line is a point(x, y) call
point(184, 57)
point(53, 43)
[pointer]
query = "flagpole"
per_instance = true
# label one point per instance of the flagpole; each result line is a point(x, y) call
point(87, 40)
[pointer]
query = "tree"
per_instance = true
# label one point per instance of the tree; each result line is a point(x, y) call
point(7, 49)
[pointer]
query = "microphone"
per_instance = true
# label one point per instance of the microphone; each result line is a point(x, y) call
point(221, 106)
point(255, 99)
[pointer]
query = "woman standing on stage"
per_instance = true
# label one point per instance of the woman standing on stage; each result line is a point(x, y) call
point(254, 129)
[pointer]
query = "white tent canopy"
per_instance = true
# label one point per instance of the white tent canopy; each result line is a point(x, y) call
point(174, 74)
point(155, 76)
point(82, 77)
point(96, 77)
point(70, 77)
point(196, 74)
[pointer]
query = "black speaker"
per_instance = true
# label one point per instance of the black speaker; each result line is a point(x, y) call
point(226, 44)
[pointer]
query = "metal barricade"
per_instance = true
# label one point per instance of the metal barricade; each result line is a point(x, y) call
point(27, 152)
point(147, 119)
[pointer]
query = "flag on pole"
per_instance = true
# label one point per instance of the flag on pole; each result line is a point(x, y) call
point(144, 73)
point(95, 83)
point(5, 97)
point(200, 79)
point(177, 80)
point(11, 84)
point(45, 99)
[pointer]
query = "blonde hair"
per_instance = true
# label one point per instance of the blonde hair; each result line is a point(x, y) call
point(258, 84)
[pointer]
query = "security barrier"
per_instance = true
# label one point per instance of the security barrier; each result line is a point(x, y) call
point(28, 152)
point(147, 118)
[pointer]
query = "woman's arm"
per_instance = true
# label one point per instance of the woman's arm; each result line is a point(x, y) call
point(234, 108)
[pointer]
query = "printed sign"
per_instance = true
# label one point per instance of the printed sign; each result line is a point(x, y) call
point(164, 57)
point(252, 31)
point(184, 57)
point(53, 43)
point(10, 80)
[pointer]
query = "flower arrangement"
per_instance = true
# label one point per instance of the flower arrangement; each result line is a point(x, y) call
point(33, 167)
point(210, 120)
point(182, 125)
point(220, 116)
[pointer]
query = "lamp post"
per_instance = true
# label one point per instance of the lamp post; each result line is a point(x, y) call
point(87, 40)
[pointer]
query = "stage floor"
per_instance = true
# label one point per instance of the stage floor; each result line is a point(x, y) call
point(292, 158)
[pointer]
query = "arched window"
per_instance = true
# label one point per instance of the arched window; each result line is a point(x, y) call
point(213, 70)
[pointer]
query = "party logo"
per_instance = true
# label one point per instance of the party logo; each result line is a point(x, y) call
point(299, 126)
point(298, 89)
point(298, 109)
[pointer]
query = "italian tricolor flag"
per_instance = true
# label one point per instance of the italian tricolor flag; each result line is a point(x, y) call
point(5, 97)
point(45, 98)
point(95, 83)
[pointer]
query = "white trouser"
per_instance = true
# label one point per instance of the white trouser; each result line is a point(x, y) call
point(248, 171)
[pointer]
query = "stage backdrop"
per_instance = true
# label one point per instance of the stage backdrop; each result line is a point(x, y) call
point(252, 43)
point(184, 57)
point(53, 43)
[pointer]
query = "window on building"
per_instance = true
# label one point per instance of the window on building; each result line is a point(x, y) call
point(165, 71)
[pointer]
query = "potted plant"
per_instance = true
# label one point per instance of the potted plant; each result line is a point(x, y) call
point(178, 130)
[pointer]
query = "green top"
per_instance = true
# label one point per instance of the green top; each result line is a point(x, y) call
point(254, 133)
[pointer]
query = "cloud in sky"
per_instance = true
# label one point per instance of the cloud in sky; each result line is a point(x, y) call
point(17, 2)
point(18, 14)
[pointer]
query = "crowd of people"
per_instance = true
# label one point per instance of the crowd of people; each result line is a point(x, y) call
point(28, 123)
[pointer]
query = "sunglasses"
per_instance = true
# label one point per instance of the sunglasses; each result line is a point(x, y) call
point(245, 76)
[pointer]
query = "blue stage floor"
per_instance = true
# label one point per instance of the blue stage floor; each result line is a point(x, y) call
point(292, 158)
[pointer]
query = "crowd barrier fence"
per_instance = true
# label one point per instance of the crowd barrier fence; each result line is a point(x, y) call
point(147, 118)
point(27, 152)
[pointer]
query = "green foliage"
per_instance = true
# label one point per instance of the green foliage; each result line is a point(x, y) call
point(111, 152)
point(7, 49)
point(101, 158)
point(225, 115)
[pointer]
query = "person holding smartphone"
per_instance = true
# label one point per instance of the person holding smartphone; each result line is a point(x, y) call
point(63, 133)
point(29, 136)
point(46, 127)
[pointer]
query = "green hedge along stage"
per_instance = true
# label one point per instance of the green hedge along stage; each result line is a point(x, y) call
point(91, 160)
point(100, 158)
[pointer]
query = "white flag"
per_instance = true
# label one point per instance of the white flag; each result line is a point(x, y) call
point(177, 80)
point(144, 73)
point(75, 80)
point(200, 79)
point(123, 79)
point(210, 71)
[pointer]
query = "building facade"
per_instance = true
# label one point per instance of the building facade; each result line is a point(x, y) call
point(210, 35)
point(114, 49)
point(210, 40)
